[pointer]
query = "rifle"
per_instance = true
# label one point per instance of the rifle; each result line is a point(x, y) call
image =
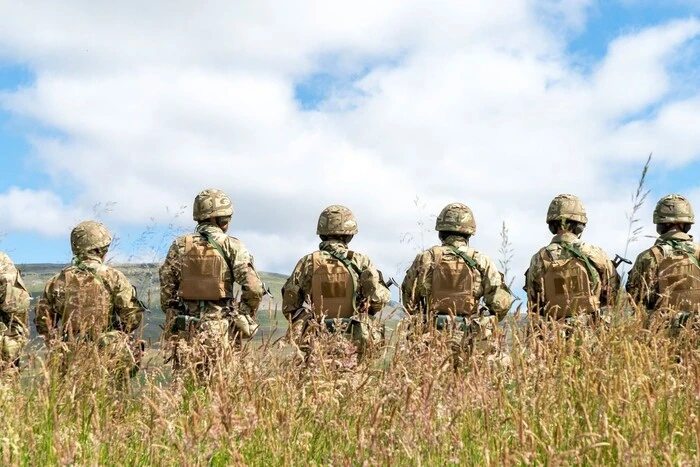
point(619, 260)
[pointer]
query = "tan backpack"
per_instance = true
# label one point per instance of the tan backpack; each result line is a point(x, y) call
point(333, 287)
point(679, 277)
point(453, 280)
point(202, 270)
point(569, 284)
point(87, 310)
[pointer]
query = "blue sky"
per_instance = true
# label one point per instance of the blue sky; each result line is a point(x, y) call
point(383, 105)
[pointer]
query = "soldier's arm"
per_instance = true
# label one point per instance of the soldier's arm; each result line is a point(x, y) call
point(169, 275)
point(14, 297)
point(46, 318)
point(609, 277)
point(246, 276)
point(641, 283)
point(411, 286)
point(372, 288)
point(533, 286)
point(126, 305)
point(497, 296)
point(297, 287)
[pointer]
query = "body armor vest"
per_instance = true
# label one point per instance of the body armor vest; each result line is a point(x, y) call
point(568, 290)
point(203, 270)
point(679, 279)
point(453, 284)
point(87, 309)
point(333, 287)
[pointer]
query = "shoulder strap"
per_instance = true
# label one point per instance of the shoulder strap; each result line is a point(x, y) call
point(346, 261)
point(218, 248)
point(680, 247)
point(467, 259)
point(580, 255)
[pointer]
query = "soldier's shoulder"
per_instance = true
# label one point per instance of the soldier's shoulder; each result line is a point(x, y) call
point(594, 252)
point(537, 257)
point(5, 259)
point(481, 258)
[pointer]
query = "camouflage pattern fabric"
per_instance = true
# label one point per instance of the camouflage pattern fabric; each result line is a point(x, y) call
point(470, 335)
point(456, 217)
point(296, 294)
point(202, 343)
point(14, 311)
point(643, 282)
point(605, 289)
point(243, 273)
point(198, 348)
point(122, 310)
point(488, 284)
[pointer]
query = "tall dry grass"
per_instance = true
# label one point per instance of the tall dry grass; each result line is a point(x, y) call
point(612, 396)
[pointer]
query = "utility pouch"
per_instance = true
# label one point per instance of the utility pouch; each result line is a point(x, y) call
point(444, 322)
point(183, 323)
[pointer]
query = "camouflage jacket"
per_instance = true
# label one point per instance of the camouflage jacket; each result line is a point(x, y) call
point(125, 307)
point(14, 298)
point(488, 283)
point(606, 287)
point(642, 283)
point(244, 274)
point(297, 289)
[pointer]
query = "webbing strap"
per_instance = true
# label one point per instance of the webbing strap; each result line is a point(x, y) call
point(218, 248)
point(350, 267)
point(678, 246)
point(579, 254)
point(464, 256)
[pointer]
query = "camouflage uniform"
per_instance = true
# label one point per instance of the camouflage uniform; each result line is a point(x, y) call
point(657, 282)
point(581, 306)
point(90, 302)
point(14, 310)
point(370, 294)
point(208, 322)
point(484, 282)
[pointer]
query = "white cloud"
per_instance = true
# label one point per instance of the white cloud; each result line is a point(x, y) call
point(467, 101)
point(41, 211)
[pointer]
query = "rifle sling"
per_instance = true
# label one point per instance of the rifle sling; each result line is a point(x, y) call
point(580, 255)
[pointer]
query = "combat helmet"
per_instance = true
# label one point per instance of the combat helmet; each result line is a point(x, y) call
point(566, 208)
point(456, 217)
point(336, 220)
point(211, 203)
point(673, 209)
point(87, 236)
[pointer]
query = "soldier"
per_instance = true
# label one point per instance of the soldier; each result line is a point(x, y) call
point(90, 302)
point(14, 311)
point(666, 277)
point(335, 283)
point(569, 280)
point(196, 286)
point(446, 283)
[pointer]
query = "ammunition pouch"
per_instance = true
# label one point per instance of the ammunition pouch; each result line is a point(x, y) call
point(182, 323)
point(445, 322)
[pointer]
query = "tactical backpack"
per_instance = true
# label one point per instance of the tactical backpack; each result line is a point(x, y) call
point(87, 310)
point(333, 286)
point(202, 270)
point(569, 284)
point(453, 280)
point(678, 276)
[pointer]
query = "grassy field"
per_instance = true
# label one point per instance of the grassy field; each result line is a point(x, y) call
point(622, 395)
